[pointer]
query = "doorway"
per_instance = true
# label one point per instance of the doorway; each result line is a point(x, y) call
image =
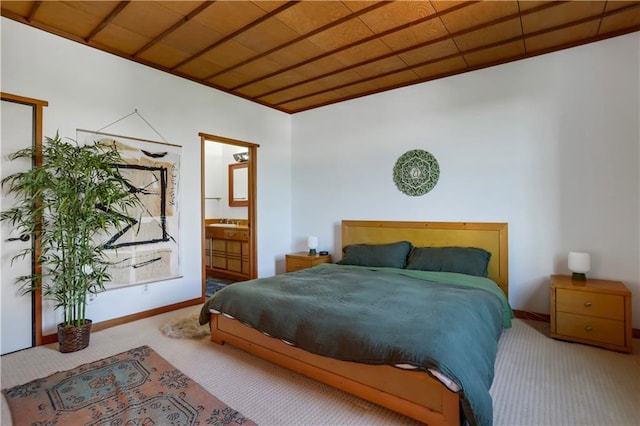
point(21, 317)
point(228, 209)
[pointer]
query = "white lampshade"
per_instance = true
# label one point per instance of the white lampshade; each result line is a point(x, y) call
point(579, 264)
point(312, 243)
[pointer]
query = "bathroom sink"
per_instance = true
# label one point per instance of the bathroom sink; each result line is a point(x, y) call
point(228, 225)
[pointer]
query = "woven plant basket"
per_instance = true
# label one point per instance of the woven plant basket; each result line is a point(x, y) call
point(72, 339)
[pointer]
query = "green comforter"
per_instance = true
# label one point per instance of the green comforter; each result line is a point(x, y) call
point(432, 320)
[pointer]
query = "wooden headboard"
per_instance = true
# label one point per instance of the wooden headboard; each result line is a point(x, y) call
point(491, 237)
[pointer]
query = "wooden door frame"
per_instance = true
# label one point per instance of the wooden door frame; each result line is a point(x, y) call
point(251, 208)
point(36, 296)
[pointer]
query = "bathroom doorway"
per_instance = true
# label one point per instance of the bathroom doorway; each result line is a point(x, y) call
point(228, 183)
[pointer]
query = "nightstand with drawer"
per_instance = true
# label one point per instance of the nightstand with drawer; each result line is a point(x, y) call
point(302, 260)
point(595, 312)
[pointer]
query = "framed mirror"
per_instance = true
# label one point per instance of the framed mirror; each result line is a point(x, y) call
point(238, 185)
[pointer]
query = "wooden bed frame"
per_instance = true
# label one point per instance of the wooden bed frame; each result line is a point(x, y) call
point(411, 393)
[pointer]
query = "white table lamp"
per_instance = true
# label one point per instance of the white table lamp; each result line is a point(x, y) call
point(579, 264)
point(312, 243)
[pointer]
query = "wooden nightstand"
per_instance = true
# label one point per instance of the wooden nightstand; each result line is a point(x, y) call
point(302, 260)
point(595, 312)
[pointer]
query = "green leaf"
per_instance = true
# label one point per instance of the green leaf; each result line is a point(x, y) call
point(72, 198)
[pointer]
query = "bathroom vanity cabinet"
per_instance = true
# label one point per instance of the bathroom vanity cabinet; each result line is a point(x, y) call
point(227, 252)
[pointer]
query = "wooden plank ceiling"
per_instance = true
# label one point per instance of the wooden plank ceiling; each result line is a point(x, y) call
point(295, 56)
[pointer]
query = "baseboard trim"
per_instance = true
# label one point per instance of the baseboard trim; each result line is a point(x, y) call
point(532, 315)
point(53, 338)
point(547, 318)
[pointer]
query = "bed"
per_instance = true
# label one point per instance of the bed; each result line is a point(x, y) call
point(434, 384)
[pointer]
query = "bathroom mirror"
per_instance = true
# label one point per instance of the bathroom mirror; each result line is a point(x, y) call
point(238, 185)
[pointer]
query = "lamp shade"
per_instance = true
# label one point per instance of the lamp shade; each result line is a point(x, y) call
point(312, 243)
point(579, 263)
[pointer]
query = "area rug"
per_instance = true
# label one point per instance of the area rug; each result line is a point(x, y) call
point(137, 387)
point(186, 327)
point(213, 286)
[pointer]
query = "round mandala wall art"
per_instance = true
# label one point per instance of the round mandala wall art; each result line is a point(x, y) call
point(416, 172)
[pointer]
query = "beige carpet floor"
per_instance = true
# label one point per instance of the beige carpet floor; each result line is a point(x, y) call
point(539, 381)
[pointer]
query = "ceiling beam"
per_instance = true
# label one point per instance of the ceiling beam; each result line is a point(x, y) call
point(34, 9)
point(483, 47)
point(301, 38)
point(107, 20)
point(354, 44)
point(413, 47)
point(235, 34)
point(175, 26)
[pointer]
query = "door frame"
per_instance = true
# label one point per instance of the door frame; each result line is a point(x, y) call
point(36, 296)
point(251, 208)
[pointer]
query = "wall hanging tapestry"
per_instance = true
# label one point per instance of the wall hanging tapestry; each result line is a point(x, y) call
point(137, 387)
point(148, 250)
point(416, 172)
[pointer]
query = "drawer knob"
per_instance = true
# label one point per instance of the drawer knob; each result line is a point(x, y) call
point(587, 304)
point(588, 328)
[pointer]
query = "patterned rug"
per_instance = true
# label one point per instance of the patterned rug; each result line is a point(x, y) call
point(213, 286)
point(137, 387)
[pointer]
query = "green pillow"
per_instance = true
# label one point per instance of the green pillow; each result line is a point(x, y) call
point(393, 255)
point(462, 260)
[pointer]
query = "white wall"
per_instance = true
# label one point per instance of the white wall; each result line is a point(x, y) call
point(89, 89)
point(548, 144)
point(217, 158)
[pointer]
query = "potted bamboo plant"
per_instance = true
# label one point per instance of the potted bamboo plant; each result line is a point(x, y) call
point(70, 200)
